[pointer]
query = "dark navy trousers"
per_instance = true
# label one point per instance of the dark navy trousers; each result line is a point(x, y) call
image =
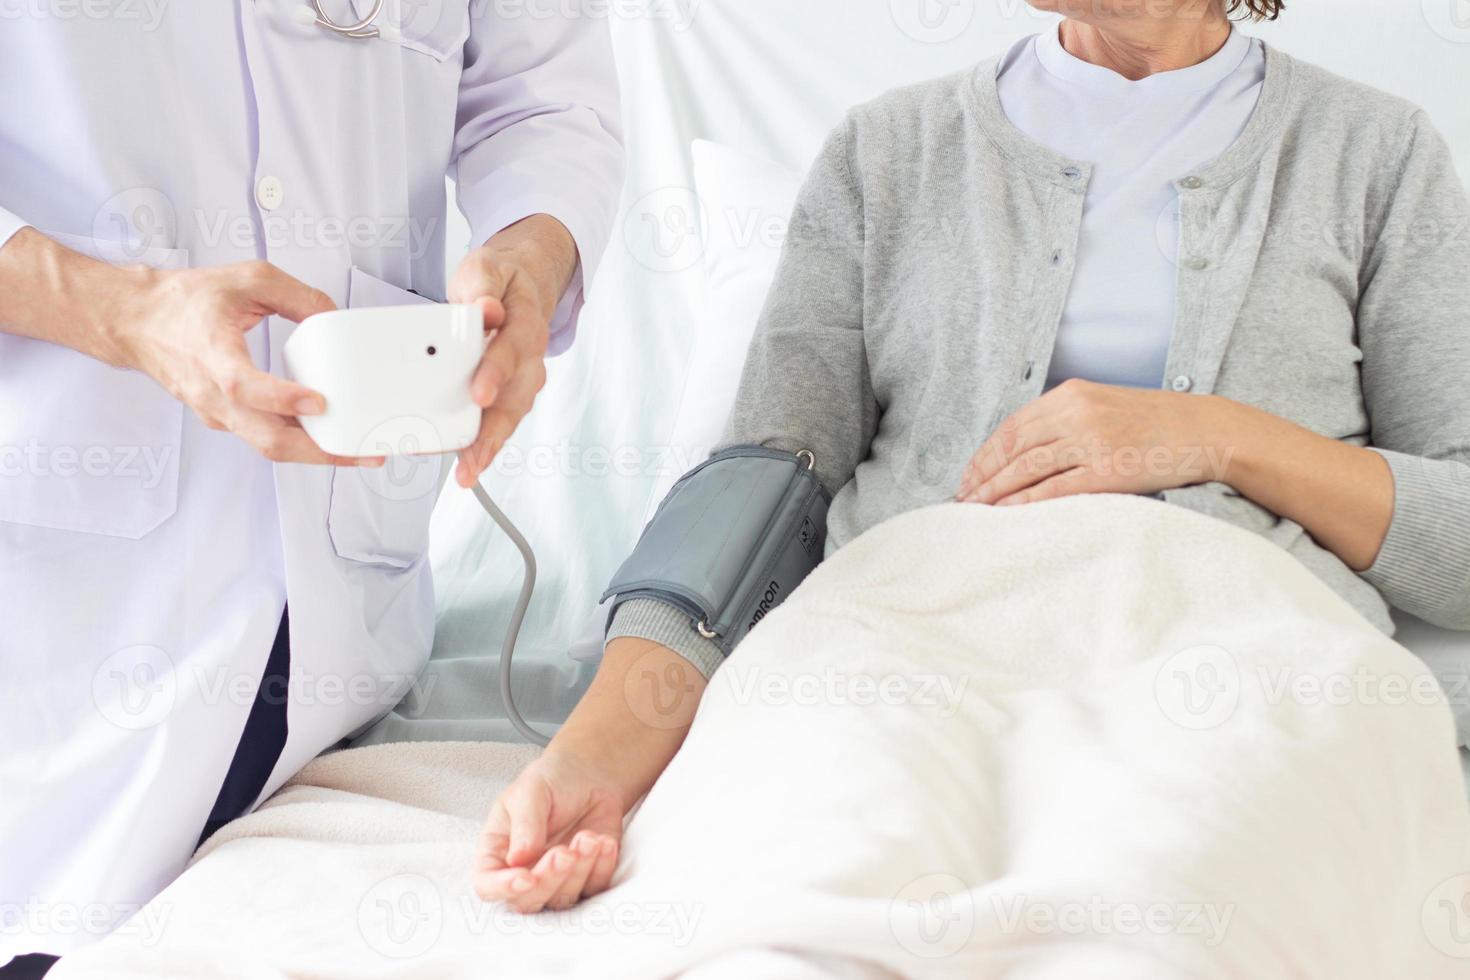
point(263, 739)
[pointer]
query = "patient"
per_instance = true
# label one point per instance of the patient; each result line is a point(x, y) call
point(1143, 254)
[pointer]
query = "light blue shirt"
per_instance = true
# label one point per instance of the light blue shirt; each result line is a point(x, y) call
point(1141, 136)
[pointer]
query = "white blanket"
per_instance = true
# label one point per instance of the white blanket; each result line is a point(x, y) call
point(1098, 738)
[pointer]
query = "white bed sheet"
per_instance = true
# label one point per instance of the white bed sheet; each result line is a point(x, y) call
point(770, 77)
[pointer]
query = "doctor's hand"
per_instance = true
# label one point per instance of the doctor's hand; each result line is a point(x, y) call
point(1084, 438)
point(552, 838)
point(186, 329)
point(517, 279)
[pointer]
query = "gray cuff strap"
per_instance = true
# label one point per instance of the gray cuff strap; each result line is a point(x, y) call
point(734, 537)
point(1424, 567)
point(668, 626)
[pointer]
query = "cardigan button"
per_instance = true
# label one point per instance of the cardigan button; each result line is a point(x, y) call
point(1191, 183)
point(1197, 263)
point(1182, 383)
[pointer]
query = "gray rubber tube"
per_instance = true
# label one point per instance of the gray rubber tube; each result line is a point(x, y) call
point(518, 614)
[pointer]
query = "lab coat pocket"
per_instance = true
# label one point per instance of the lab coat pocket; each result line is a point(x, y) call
point(381, 516)
point(85, 446)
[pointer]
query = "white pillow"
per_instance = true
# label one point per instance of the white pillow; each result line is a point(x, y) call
point(746, 203)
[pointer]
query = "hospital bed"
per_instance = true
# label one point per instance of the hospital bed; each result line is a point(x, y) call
point(726, 102)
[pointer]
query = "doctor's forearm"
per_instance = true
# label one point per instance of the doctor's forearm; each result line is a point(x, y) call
point(49, 292)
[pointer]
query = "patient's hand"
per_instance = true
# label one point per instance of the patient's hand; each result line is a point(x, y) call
point(1083, 438)
point(552, 838)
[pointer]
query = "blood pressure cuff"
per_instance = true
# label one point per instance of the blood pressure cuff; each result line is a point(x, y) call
point(730, 542)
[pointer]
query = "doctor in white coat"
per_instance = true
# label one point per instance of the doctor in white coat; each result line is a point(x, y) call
point(179, 184)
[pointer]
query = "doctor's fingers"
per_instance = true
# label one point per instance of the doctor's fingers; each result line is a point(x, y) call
point(283, 441)
point(499, 421)
point(518, 344)
point(242, 383)
point(270, 290)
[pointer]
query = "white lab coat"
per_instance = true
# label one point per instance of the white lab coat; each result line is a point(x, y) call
point(145, 560)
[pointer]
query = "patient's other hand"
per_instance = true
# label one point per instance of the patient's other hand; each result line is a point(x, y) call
point(552, 838)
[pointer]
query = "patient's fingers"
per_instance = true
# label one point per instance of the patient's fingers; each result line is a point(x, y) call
point(501, 884)
point(602, 869)
point(491, 850)
point(1027, 470)
point(1015, 436)
point(529, 812)
point(584, 849)
point(546, 880)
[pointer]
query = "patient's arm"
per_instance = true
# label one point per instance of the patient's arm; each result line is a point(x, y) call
point(553, 836)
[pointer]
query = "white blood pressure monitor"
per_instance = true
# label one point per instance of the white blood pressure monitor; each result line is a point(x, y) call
point(397, 383)
point(396, 378)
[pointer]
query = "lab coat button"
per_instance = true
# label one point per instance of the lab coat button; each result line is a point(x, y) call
point(269, 193)
point(1182, 383)
point(1191, 183)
